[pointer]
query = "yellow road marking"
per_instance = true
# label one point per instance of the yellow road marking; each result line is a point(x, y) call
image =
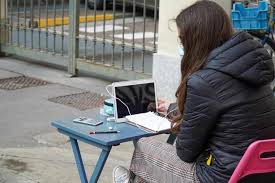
point(65, 21)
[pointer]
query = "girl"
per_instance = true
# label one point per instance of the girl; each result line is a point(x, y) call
point(224, 101)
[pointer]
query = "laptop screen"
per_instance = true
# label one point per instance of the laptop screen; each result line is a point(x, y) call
point(139, 98)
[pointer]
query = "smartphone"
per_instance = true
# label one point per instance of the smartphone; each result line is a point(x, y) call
point(87, 121)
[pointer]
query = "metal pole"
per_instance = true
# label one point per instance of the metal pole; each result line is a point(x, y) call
point(123, 36)
point(54, 27)
point(73, 35)
point(86, 26)
point(6, 34)
point(3, 17)
point(62, 35)
point(2, 11)
point(144, 31)
point(11, 22)
point(104, 32)
point(47, 28)
point(17, 26)
point(155, 25)
point(95, 22)
point(32, 20)
point(25, 24)
point(113, 34)
point(133, 36)
point(39, 28)
point(1, 23)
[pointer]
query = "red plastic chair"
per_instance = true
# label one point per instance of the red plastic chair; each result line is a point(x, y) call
point(252, 162)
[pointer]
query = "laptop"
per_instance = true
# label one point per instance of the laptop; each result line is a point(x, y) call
point(139, 96)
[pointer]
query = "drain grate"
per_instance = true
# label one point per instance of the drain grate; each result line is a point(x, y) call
point(20, 82)
point(81, 101)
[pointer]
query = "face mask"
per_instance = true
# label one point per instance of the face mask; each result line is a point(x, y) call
point(181, 50)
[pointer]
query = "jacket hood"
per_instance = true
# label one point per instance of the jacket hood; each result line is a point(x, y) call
point(243, 58)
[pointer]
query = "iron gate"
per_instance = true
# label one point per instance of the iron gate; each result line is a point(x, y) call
point(109, 38)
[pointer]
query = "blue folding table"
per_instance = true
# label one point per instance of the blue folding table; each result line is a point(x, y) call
point(105, 142)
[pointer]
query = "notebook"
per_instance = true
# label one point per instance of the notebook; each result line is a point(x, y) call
point(150, 121)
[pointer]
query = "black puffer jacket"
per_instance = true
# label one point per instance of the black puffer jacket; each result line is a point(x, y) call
point(229, 104)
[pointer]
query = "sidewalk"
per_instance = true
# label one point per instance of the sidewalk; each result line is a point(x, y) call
point(30, 149)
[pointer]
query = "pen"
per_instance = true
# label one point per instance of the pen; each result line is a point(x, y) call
point(102, 132)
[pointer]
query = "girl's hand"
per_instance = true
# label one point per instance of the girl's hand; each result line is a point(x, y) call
point(163, 106)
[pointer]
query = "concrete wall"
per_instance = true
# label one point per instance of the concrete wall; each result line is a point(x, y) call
point(166, 64)
point(169, 9)
point(167, 29)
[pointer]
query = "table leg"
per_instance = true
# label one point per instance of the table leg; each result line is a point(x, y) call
point(78, 160)
point(100, 164)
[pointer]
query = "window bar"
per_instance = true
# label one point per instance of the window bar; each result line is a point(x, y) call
point(54, 27)
point(94, 40)
point(86, 26)
point(39, 28)
point(144, 30)
point(32, 21)
point(133, 37)
point(18, 31)
point(47, 28)
point(62, 28)
point(155, 25)
point(113, 36)
point(123, 37)
point(104, 33)
point(25, 25)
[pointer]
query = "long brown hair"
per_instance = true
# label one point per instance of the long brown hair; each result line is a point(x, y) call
point(202, 27)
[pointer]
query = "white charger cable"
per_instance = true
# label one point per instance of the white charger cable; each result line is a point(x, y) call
point(114, 97)
point(117, 98)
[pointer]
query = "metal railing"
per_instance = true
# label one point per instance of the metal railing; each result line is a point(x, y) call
point(110, 38)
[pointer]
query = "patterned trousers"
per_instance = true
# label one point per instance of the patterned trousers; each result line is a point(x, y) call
point(157, 162)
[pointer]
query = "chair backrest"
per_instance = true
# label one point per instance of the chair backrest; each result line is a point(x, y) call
point(257, 159)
